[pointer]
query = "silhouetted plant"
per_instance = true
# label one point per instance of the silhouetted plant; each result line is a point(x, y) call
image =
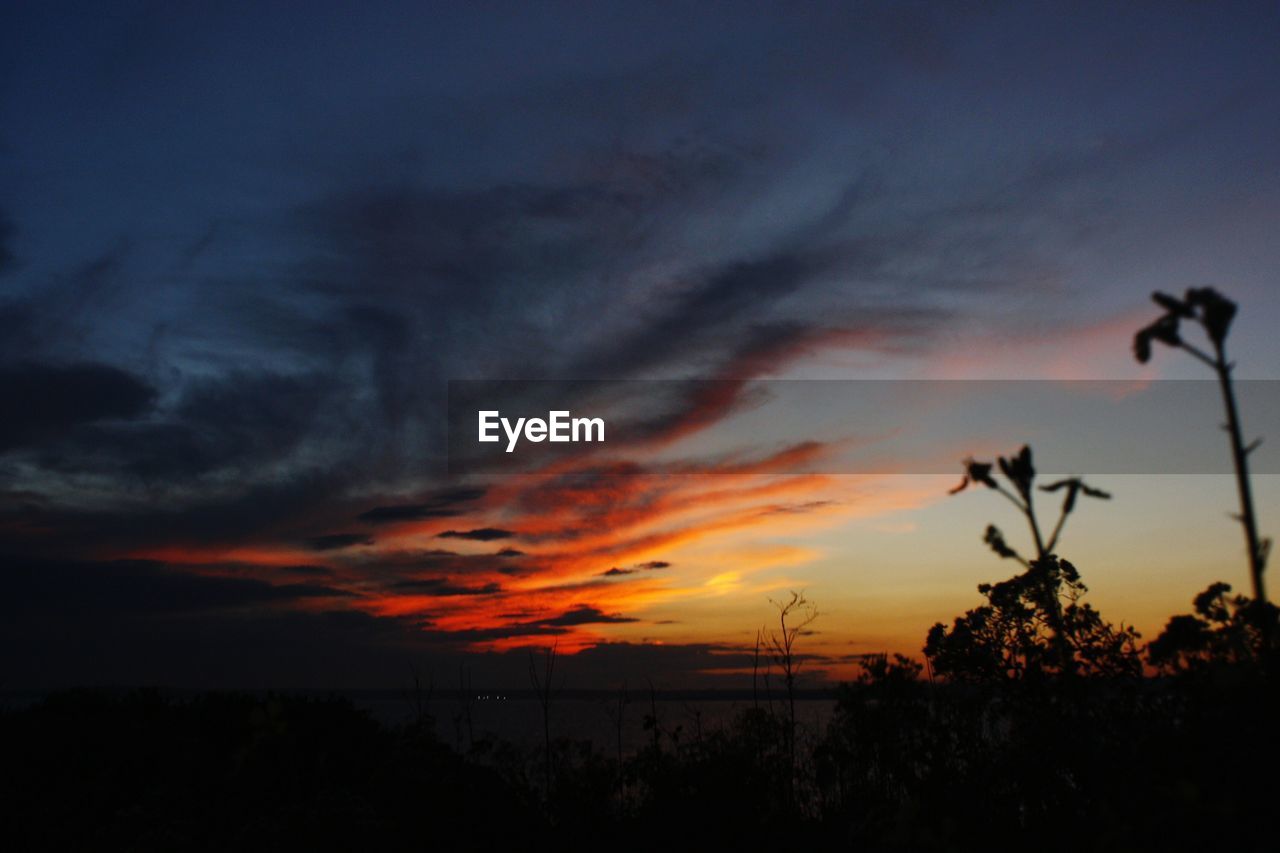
point(755, 672)
point(1035, 622)
point(1225, 630)
point(904, 765)
point(878, 742)
point(652, 723)
point(887, 677)
point(464, 719)
point(542, 688)
point(1021, 474)
point(420, 700)
point(1012, 637)
point(782, 648)
point(616, 711)
point(1214, 313)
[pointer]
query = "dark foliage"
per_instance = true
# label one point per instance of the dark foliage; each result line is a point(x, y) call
point(905, 764)
point(1034, 625)
point(1227, 636)
point(1012, 637)
point(88, 770)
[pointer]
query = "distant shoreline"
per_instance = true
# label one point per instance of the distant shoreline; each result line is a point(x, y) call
point(441, 693)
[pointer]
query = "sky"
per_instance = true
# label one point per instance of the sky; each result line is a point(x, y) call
point(244, 248)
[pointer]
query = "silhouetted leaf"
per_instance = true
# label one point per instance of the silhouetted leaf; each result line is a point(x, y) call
point(975, 472)
point(1019, 470)
point(1072, 485)
point(1172, 304)
point(1216, 311)
point(1024, 461)
point(1142, 345)
point(1165, 330)
point(995, 539)
point(1211, 603)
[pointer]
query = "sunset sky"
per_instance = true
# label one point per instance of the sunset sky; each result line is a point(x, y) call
point(245, 247)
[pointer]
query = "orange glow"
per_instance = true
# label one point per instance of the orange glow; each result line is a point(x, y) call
point(620, 545)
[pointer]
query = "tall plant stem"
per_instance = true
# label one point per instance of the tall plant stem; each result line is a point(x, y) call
point(1050, 584)
point(1240, 458)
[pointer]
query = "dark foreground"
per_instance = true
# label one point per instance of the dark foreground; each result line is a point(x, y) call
point(1174, 764)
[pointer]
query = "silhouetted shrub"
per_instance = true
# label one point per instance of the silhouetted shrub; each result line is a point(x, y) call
point(1225, 631)
point(1034, 624)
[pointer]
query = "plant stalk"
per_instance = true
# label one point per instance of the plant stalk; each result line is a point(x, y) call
point(1240, 458)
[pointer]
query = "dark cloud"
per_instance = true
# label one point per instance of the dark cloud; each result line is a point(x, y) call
point(239, 419)
point(510, 552)
point(442, 588)
point(364, 357)
point(442, 504)
point(255, 512)
point(234, 424)
point(390, 567)
point(710, 305)
point(337, 541)
point(652, 565)
point(481, 534)
point(457, 496)
point(406, 512)
point(796, 509)
point(63, 321)
point(308, 570)
point(469, 243)
point(78, 624)
point(142, 586)
point(74, 623)
point(584, 615)
point(43, 401)
point(7, 258)
point(522, 626)
point(670, 665)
